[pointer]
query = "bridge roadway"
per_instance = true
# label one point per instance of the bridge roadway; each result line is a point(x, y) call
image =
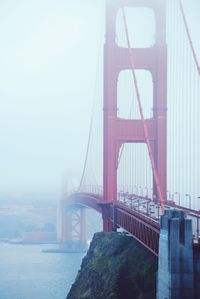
point(139, 216)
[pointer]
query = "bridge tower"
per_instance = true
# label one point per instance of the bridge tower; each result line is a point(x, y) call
point(73, 228)
point(117, 130)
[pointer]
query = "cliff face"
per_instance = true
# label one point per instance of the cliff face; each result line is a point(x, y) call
point(115, 267)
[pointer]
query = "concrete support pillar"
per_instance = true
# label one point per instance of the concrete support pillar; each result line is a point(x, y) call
point(175, 278)
point(107, 224)
point(196, 256)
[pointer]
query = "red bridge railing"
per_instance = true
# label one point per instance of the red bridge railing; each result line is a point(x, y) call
point(137, 215)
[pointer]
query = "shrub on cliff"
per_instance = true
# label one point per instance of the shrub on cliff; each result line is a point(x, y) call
point(115, 267)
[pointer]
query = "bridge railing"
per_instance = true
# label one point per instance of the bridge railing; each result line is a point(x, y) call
point(146, 204)
point(93, 189)
point(150, 207)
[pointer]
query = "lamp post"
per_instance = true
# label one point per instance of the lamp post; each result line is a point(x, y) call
point(138, 202)
point(147, 194)
point(124, 196)
point(121, 188)
point(131, 202)
point(179, 198)
point(151, 192)
point(147, 208)
point(198, 204)
point(190, 202)
point(172, 198)
point(155, 199)
point(169, 194)
point(136, 189)
point(140, 187)
point(158, 213)
point(130, 189)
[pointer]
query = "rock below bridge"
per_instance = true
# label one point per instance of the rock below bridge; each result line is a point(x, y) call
point(116, 267)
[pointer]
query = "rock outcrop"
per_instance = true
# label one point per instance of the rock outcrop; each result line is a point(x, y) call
point(116, 267)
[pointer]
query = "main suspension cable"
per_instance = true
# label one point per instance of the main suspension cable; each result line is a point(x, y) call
point(189, 37)
point(146, 133)
point(88, 143)
point(91, 117)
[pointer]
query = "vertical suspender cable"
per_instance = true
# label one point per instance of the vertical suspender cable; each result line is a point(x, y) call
point(155, 174)
point(194, 95)
point(122, 147)
point(181, 99)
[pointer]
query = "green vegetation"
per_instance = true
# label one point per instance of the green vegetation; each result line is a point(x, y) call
point(116, 267)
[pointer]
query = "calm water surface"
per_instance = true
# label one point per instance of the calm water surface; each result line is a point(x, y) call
point(28, 273)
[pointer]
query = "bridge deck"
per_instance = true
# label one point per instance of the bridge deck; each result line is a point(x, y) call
point(138, 216)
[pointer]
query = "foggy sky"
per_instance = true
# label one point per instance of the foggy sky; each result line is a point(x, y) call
point(48, 61)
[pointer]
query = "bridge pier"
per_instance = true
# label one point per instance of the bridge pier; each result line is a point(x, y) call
point(196, 256)
point(73, 230)
point(107, 222)
point(175, 266)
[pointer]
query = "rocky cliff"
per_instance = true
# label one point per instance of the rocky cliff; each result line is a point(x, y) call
point(116, 267)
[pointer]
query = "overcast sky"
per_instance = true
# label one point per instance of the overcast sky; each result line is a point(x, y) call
point(48, 61)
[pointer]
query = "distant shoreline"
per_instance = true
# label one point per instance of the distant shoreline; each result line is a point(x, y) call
point(20, 242)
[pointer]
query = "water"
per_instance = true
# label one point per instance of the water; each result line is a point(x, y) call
point(28, 273)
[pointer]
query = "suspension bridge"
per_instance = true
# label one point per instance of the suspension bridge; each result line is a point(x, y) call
point(145, 180)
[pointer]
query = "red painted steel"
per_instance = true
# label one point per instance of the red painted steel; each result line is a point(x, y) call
point(73, 216)
point(142, 228)
point(189, 37)
point(84, 199)
point(118, 131)
point(140, 225)
point(144, 122)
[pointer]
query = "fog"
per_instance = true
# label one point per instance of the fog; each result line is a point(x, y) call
point(50, 54)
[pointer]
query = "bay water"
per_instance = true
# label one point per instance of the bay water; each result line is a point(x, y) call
point(26, 272)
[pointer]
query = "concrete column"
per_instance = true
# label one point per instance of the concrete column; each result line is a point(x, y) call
point(196, 256)
point(175, 278)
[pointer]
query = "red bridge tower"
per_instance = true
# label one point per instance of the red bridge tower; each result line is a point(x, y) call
point(117, 130)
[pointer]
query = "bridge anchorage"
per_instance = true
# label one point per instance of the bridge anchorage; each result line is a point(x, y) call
point(167, 229)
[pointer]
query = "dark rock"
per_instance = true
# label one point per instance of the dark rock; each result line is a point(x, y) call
point(116, 267)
